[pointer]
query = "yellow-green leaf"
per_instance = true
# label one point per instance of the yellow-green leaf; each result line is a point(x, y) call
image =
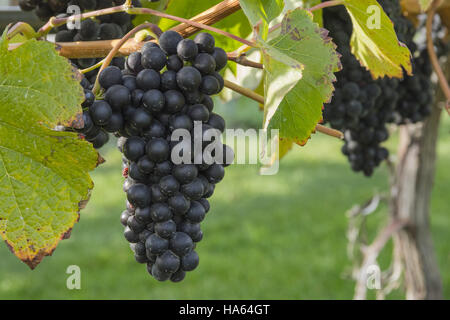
point(374, 41)
point(44, 178)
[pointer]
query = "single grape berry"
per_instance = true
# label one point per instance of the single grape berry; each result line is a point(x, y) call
point(193, 190)
point(130, 235)
point(174, 63)
point(169, 80)
point(135, 225)
point(100, 112)
point(139, 195)
point(178, 276)
point(181, 244)
point(156, 245)
point(179, 204)
point(141, 119)
point(198, 112)
point(165, 229)
point(185, 173)
point(134, 148)
point(205, 63)
point(187, 49)
point(145, 164)
point(133, 62)
point(143, 214)
point(153, 58)
point(148, 79)
point(174, 101)
point(205, 42)
point(169, 185)
point(110, 76)
point(153, 100)
point(169, 40)
point(221, 58)
point(160, 212)
point(158, 150)
point(210, 85)
point(190, 261)
point(196, 212)
point(189, 78)
point(214, 173)
point(118, 96)
point(124, 217)
point(158, 274)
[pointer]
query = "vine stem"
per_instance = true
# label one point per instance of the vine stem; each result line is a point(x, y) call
point(326, 4)
point(116, 48)
point(432, 54)
point(243, 60)
point(260, 99)
point(54, 22)
point(93, 67)
point(189, 22)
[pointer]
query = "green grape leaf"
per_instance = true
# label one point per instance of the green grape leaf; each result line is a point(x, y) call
point(262, 10)
point(299, 74)
point(425, 4)
point(44, 179)
point(142, 18)
point(374, 41)
point(236, 23)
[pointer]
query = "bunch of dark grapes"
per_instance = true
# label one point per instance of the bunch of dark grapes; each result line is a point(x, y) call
point(362, 107)
point(45, 9)
point(106, 27)
point(96, 128)
point(165, 87)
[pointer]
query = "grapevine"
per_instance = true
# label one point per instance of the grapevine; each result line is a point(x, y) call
point(147, 76)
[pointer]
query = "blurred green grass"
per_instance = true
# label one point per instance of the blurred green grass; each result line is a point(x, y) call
point(266, 237)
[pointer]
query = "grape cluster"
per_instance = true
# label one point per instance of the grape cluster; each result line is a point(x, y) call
point(163, 88)
point(45, 9)
point(105, 27)
point(95, 129)
point(362, 107)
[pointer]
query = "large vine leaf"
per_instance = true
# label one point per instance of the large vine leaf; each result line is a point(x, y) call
point(236, 23)
point(295, 93)
point(44, 178)
point(377, 48)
